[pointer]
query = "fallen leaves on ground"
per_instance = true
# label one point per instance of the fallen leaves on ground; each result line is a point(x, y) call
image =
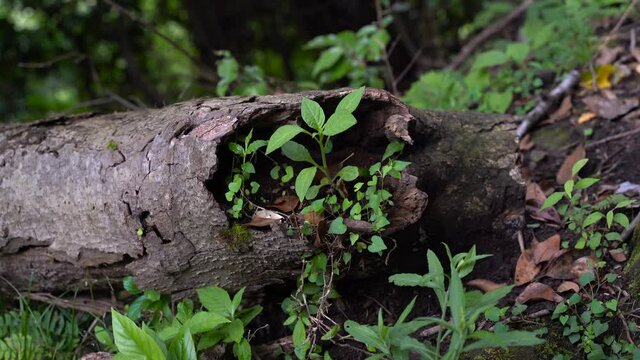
point(586, 117)
point(286, 203)
point(564, 173)
point(526, 143)
point(547, 215)
point(313, 218)
point(538, 291)
point(526, 268)
point(603, 75)
point(545, 250)
point(607, 108)
point(618, 255)
point(563, 110)
point(485, 285)
point(568, 286)
point(263, 218)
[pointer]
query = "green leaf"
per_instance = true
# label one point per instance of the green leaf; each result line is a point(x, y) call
point(299, 338)
point(505, 339)
point(552, 200)
point(575, 169)
point(288, 174)
point(242, 350)
point(518, 51)
point(183, 348)
point(377, 244)
point(596, 307)
point(104, 337)
point(609, 218)
point(303, 181)
point(216, 300)
point(131, 341)
point(237, 298)
point(204, 321)
point(348, 173)
point(337, 226)
point(350, 102)
point(340, 121)
point(236, 149)
point(129, 284)
point(498, 102)
point(585, 183)
point(327, 59)
point(248, 168)
point(281, 136)
point(296, 152)
point(235, 330)
point(312, 114)
point(365, 334)
point(490, 58)
point(568, 187)
point(392, 148)
point(592, 219)
point(621, 219)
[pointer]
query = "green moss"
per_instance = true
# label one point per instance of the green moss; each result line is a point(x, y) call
point(238, 237)
point(632, 269)
point(112, 145)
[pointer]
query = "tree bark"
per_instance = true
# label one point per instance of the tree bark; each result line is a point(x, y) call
point(72, 202)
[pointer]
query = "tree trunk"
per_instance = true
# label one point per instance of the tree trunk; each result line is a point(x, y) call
point(75, 190)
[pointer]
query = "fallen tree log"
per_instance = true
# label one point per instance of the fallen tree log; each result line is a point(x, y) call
point(74, 190)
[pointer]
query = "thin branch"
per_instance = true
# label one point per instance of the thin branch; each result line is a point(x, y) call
point(613, 137)
point(47, 64)
point(535, 115)
point(626, 234)
point(488, 33)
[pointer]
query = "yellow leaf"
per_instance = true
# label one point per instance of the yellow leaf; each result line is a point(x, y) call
point(603, 74)
point(588, 116)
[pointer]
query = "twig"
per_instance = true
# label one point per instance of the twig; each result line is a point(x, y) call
point(406, 69)
point(626, 330)
point(626, 234)
point(487, 34)
point(46, 64)
point(624, 17)
point(535, 115)
point(611, 138)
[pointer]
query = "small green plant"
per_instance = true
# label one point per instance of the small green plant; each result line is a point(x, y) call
point(183, 335)
point(151, 302)
point(584, 219)
point(237, 187)
point(28, 332)
point(238, 80)
point(460, 310)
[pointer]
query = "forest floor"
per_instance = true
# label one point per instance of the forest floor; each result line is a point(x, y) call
point(598, 119)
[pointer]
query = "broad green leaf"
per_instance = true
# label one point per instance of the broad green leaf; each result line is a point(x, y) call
point(517, 51)
point(296, 152)
point(299, 338)
point(348, 173)
point(246, 315)
point(340, 121)
point(303, 181)
point(204, 321)
point(592, 219)
point(312, 114)
point(248, 168)
point(552, 200)
point(575, 169)
point(236, 149)
point(437, 273)
point(130, 285)
point(281, 136)
point(392, 148)
point(377, 244)
point(235, 330)
point(351, 101)
point(216, 300)
point(621, 219)
point(497, 102)
point(490, 58)
point(242, 350)
point(327, 59)
point(488, 339)
point(609, 218)
point(131, 340)
point(456, 299)
point(104, 337)
point(255, 146)
point(568, 187)
point(237, 298)
point(585, 183)
point(183, 348)
point(337, 226)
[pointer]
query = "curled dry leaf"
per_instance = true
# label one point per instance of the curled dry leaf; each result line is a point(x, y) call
point(313, 218)
point(485, 285)
point(547, 215)
point(564, 173)
point(563, 110)
point(583, 265)
point(526, 268)
point(586, 117)
point(545, 250)
point(535, 196)
point(618, 255)
point(264, 218)
point(286, 203)
point(526, 143)
point(538, 291)
point(608, 55)
point(608, 108)
point(568, 286)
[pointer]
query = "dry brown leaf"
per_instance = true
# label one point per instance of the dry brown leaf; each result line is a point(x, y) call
point(526, 143)
point(636, 53)
point(538, 291)
point(566, 268)
point(286, 203)
point(609, 55)
point(583, 265)
point(548, 215)
point(563, 110)
point(535, 196)
point(485, 285)
point(313, 218)
point(526, 268)
point(564, 173)
point(586, 117)
point(545, 250)
point(264, 218)
point(607, 107)
point(568, 285)
point(618, 255)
